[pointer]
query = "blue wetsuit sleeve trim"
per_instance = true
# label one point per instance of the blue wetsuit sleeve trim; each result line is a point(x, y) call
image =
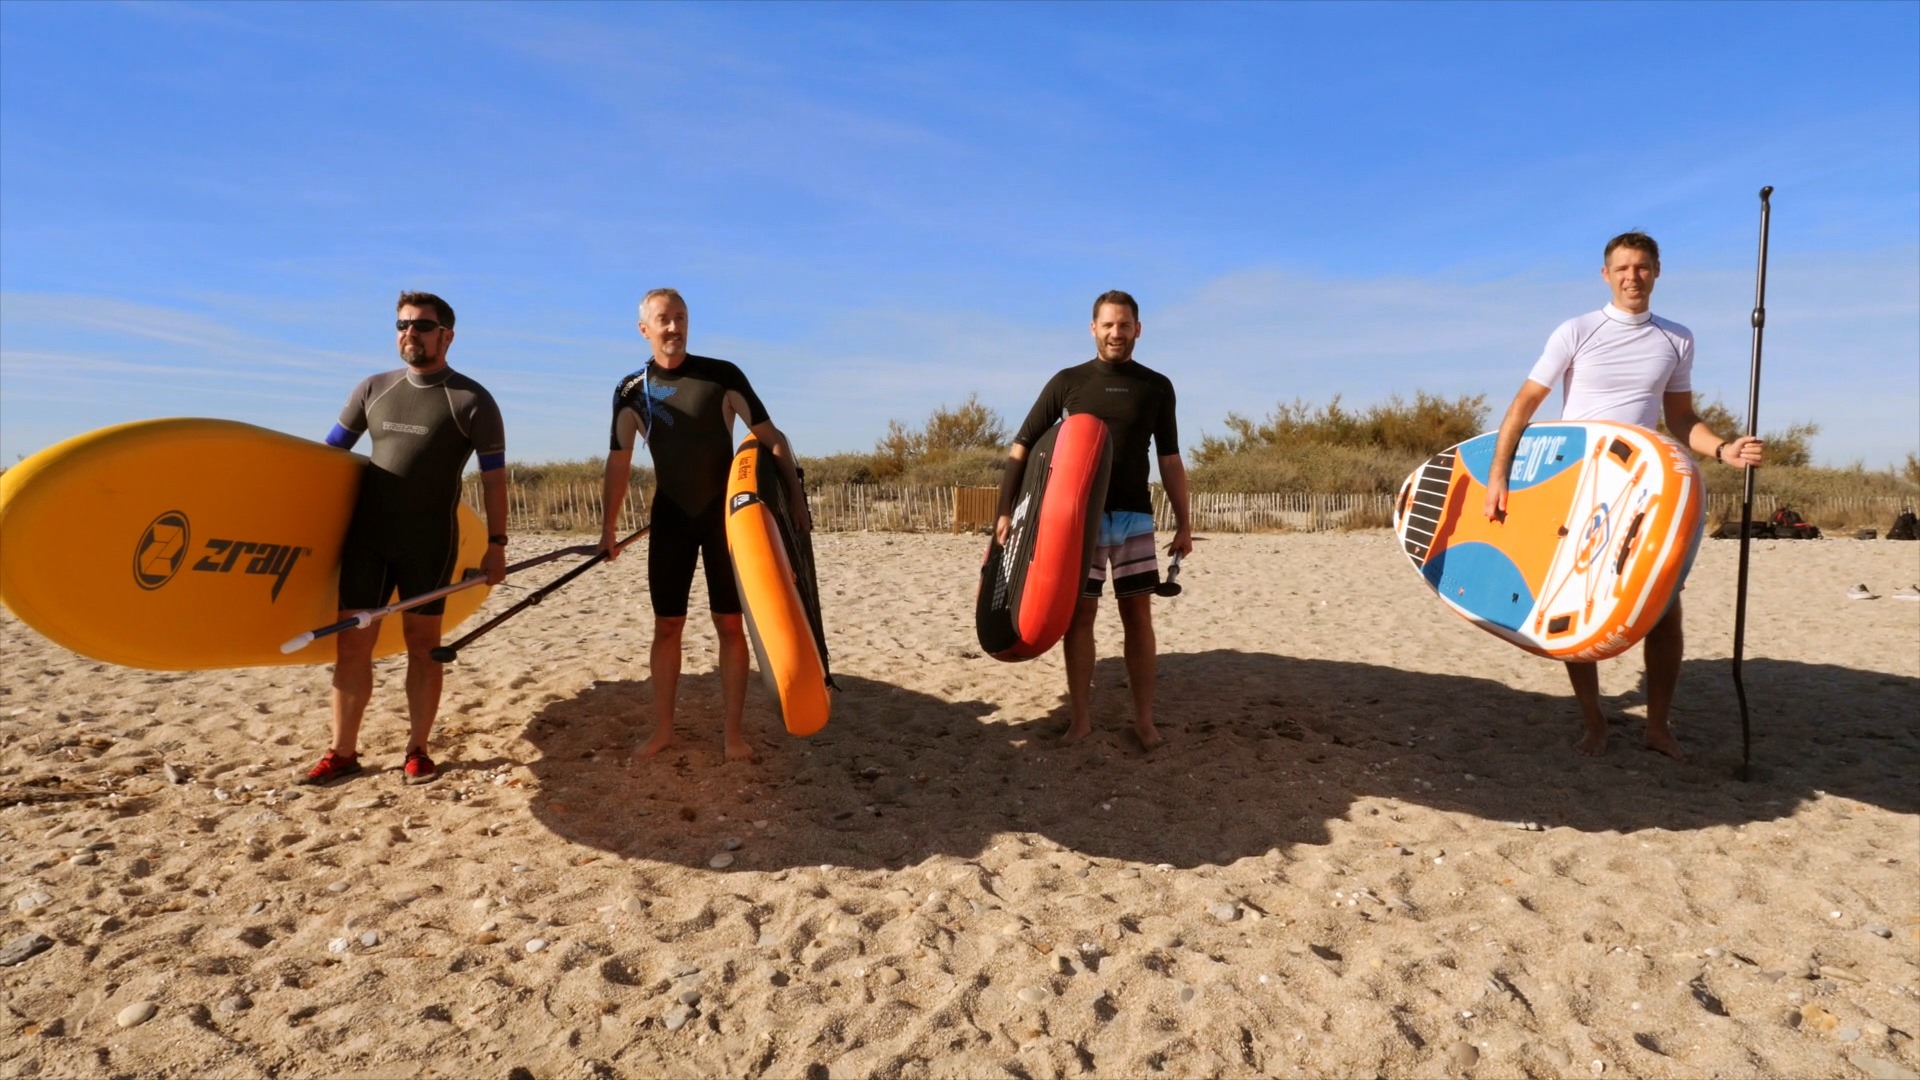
point(490, 462)
point(342, 438)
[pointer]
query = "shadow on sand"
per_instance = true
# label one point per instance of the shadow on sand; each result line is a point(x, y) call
point(1262, 752)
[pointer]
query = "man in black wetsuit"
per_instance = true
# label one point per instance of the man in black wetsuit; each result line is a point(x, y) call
point(426, 420)
point(1137, 404)
point(683, 407)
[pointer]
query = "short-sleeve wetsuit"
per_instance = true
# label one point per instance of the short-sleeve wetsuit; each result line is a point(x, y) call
point(1613, 365)
point(1137, 404)
point(404, 534)
point(684, 417)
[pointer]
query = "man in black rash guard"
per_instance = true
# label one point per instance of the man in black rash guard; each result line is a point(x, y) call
point(1137, 404)
point(426, 420)
point(683, 407)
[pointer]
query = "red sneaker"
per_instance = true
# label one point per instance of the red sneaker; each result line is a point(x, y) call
point(331, 766)
point(420, 768)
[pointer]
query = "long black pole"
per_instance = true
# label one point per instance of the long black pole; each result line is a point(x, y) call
point(364, 619)
point(1746, 500)
point(446, 654)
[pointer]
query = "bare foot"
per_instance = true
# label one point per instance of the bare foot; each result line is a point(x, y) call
point(739, 750)
point(1148, 735)
point(1662, 741)
point(1074, 734)
point(662, 738)
point(1593, 742)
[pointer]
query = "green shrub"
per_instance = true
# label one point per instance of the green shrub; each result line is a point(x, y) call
point(1430, 424)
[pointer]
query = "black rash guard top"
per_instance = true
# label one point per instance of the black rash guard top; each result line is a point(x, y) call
point(1136, 403)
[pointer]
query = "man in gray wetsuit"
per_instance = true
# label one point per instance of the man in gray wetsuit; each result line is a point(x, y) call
point(682, 407)
point(426, 420)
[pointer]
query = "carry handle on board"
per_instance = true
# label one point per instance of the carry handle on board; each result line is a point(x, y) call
point(446, 654)
point(364, 619)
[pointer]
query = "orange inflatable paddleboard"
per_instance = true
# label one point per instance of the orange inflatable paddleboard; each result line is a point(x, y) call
point(773, 565)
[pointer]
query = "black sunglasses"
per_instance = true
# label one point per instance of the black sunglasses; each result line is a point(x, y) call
point(424, 326)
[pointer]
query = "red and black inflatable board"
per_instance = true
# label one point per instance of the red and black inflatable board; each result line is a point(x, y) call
point(1030, 586)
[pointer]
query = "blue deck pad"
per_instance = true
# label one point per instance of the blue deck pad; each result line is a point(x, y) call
point(1545, 451)
point(1480, 580)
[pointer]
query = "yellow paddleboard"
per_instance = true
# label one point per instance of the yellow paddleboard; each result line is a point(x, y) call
point(186, 544)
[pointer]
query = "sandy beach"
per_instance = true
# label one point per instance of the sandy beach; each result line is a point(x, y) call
point(1367, 847)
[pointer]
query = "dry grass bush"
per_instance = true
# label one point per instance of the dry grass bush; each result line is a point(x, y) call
point(1414, 430)
point(978, 467)
point(964, 445)
point(1299, 448)
point(1810, 484)
point(1320, 450)
point(1837, 500)
point(1790, 448)
point(853, 468)
point(1306, 467)
point(590, 470)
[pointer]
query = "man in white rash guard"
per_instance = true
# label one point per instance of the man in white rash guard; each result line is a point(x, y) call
point(1625, 364)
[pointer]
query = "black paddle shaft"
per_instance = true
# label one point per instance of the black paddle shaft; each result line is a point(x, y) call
point(1746, 501)
point(446, 654)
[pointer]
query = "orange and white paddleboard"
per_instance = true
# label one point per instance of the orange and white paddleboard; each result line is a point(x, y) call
point(187, 544)
point(1602, 524)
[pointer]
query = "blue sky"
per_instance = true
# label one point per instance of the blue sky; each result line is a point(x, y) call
point(207, 209)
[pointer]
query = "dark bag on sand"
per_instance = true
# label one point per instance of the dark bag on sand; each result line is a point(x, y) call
point(1788, 525)
point(1905, 527)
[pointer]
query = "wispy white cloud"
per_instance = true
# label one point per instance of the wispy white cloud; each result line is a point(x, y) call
point(215, 337)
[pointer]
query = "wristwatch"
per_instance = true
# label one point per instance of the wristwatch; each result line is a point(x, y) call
point(498, 538)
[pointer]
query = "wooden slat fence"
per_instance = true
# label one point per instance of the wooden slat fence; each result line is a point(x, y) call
point(1844, 508)
point(1232, 511)
point(574, 506)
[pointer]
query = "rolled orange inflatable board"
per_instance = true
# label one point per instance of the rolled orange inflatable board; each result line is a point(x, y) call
point(186, 544)
point(773, 564)
point(1030, 586)
point(1602, 524)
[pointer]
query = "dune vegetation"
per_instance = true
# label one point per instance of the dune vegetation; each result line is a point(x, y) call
point(1305, 449)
